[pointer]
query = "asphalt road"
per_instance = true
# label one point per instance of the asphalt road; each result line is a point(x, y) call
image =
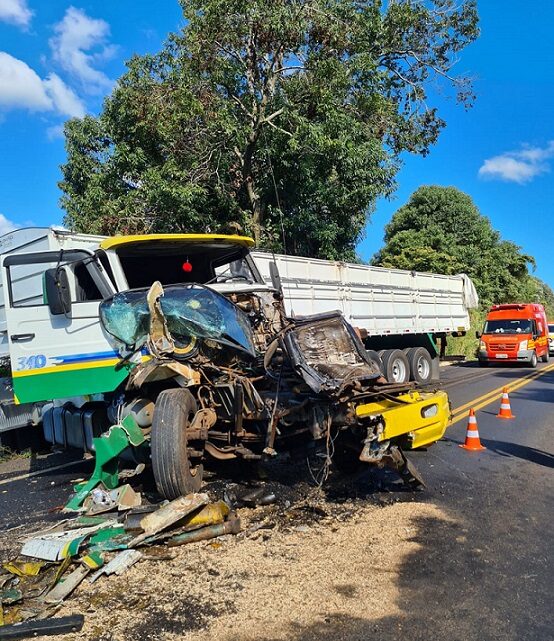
point(485, 570)
point(489, 573)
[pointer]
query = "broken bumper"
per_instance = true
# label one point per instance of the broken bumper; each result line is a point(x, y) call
point(420, 418)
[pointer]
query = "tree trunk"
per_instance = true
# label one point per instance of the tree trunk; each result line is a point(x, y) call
point(249, 183)
point(256, 210)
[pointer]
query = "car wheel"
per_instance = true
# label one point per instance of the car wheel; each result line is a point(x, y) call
point(534, 360)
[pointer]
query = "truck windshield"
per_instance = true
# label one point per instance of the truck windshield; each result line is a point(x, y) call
point(508, 326)
point(190, 311)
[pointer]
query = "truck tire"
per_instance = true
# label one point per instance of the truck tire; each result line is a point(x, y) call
point(421, 364)
point(395, 366)
point(545, 357)
point(534, 360)
point(174, 474)
point(374, 356)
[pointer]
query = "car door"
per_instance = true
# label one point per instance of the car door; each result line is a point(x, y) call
point(57, 355)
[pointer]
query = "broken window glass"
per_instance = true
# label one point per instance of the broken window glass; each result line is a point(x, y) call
point(126, 317)
point(189, 311)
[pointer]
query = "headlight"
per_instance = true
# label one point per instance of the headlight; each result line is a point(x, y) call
point(430, 411)
point(522, 346)
point(482, 346)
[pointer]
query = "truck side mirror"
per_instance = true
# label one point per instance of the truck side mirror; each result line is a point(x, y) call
point(56, 289)
point(477, 334)
point(275, 277)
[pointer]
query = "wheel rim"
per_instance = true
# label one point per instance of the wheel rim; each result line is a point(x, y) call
point(423, 367)
point(398, 371)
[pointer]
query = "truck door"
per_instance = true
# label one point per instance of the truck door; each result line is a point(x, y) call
point(58, 353)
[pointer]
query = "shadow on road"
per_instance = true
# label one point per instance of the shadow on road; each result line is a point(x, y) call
point(448, 589)
point(504, 448)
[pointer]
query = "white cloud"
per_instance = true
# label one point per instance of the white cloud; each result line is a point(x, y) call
point(15, 12)
point(22, 88)
point(63, 98)
point(6, 225)
point(519, 166)
point(79, 44)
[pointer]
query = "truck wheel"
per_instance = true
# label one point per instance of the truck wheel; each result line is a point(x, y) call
point(545, 357)
point(534, 360)
point(421, 365)
point(396, 366)
point(174, 474)
point(374, 356)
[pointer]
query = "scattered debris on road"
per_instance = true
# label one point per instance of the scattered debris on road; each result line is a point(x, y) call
point(92, 545)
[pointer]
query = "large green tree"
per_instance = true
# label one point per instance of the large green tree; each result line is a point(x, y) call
point(285, 118)
point(440, 229)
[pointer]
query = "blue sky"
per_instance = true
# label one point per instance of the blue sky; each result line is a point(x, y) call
point(59, 59)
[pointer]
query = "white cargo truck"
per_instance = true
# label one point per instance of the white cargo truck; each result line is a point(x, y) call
point(180, 339)
point(399, 314)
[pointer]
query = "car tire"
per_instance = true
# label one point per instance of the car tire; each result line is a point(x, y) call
point(545, 357)
point(174, 473)
point(534, 360)
point(421, 364)
point(395, 366)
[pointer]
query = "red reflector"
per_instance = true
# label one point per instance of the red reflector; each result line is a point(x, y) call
point(187, 266)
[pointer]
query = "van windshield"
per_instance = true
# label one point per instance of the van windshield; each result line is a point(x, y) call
point(551, 329)
point(507, 326)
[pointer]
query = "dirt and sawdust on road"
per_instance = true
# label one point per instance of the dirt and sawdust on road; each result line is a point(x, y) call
point(304, 556)
point(260, 586)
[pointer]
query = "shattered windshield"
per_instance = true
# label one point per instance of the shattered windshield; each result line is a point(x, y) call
point(189, 311)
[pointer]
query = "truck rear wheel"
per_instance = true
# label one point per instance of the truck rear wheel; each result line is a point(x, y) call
point(421, 364)
point(545, 357)
point(173, 471)
point(376, 358)
point(395, 366)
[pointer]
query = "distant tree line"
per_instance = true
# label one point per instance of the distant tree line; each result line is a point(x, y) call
point(441, 230)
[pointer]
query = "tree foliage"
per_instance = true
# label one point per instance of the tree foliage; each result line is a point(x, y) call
point(285, 117)
point(441, 230)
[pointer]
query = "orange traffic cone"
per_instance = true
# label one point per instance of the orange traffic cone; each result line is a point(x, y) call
point(472, 435)
point(505, 409)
